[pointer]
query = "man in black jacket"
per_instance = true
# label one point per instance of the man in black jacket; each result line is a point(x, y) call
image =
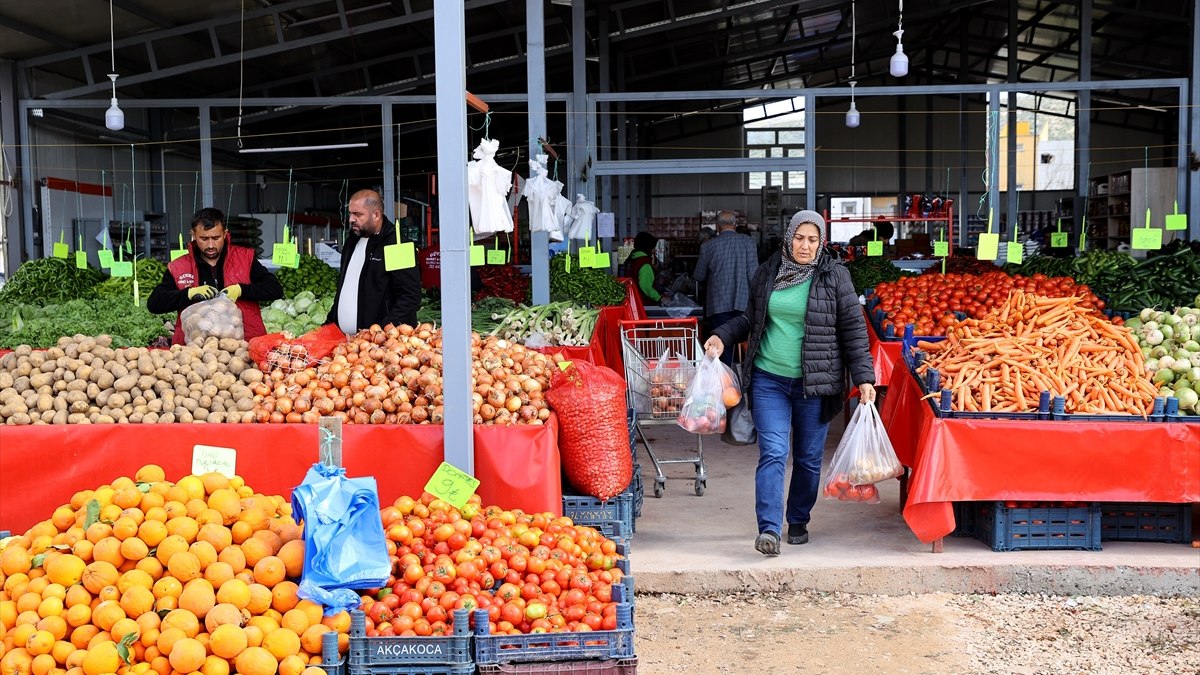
point(367, 292)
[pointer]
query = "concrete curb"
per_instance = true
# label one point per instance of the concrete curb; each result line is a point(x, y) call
point(897, 580)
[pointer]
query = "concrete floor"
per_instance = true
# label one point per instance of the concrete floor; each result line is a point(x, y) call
point(690, 544)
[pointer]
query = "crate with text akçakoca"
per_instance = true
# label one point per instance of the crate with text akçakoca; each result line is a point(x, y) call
point(1035, 526)
point(1146, 522)
point(554, 647)
point(586, 510)
point(441, 655)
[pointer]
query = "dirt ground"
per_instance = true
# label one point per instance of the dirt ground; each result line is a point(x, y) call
point(937, 633)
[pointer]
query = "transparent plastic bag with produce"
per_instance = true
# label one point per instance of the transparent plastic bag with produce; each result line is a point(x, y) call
point(863, 457)
point(219, 318)
point(713, 389)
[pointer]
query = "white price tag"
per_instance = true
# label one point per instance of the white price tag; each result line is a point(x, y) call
point(210, 458)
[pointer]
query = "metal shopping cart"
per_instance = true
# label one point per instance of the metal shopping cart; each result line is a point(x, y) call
point(660, 359)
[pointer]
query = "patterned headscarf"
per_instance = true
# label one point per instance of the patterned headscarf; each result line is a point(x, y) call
point(792, 273)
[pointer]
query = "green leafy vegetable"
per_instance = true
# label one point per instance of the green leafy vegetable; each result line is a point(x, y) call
point(149, 274)
point(49, 280)
point(587, 286)
point(312, 275)
point(127, 324)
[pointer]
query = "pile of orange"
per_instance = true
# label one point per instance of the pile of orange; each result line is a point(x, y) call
point(147, 575)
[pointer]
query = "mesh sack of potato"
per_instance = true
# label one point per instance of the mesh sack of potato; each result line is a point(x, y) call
point(219, 318)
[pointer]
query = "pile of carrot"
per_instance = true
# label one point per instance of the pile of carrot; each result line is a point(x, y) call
point(1030, 344)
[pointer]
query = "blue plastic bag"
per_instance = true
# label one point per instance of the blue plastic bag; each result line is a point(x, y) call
point(344, 545)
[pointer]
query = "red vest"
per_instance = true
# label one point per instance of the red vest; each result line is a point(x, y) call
point(238, 261)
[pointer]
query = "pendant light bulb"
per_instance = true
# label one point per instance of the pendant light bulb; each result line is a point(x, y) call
point(114, 118)
point(852, 117)
point(899, 64)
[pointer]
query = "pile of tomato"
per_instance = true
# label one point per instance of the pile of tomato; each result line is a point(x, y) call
point(930, 300)
point(532, 573)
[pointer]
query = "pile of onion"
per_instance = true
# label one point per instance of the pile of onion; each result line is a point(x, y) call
point(393, 375)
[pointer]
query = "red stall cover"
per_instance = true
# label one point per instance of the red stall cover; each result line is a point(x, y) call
point(42, 466)
point(884, 354)
point(978, 460)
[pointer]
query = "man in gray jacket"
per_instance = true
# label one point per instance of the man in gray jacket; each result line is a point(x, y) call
point(727, 263)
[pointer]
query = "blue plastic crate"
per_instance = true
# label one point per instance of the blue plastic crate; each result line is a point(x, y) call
point(586, 510)
point(624, 565)
point(449, 655)
point(612, 529)
point(639, 493)
point(1058, 412)
point(1122, 521)
point(606, 667)
point(554, 647)
point(331, 662)
point(1171, 412)
point(1043, 527)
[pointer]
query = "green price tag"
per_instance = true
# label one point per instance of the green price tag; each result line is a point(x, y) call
point(587, 256)
point(497, 256)
point(81, 259)
point(122, 269)
point(106, 258)
point(399, 257)
point(478, 255)
point(285, 255)
point(567, 264)
point(1059, 239)
point(941, 249)
point(451, 485)
point(874, 248)
point(128, 247)
point(989, 246)
point(1015, 252)
point(178, 253)
point(1177, 220)
point(603, 261)
point(61, 250)
point(1147, 238)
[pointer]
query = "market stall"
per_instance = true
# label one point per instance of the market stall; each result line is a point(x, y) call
point(976, 459)
point(517, 466)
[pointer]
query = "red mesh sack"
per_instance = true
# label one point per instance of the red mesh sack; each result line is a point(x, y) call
point(261, 346)
point(320, 342)
point(593, 436)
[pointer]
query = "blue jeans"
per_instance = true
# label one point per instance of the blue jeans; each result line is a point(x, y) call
point(781, 410)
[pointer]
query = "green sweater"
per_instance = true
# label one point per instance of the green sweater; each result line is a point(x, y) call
point(645, 280)
point(782, 349)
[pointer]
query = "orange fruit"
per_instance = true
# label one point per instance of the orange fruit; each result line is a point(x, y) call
point(292, 555)
point(233, 591)
point(241, 531)
point(167, 586)
point(167, 638)
point(134, 549)
point(42, 664)
point(152, 532)
point(204, 552)
point(40, 642)
point(150, 473)
point(125, 627)
point(135, 577)
point(150, 566)
point(269, 571)
point(99, 574)
point(108, 550)
point(254, 636)
point(217, 573)
point(138, 600)
point(184, 526)
point(255, 661)
point(227, 641)
point(198, 597)
point(233, 556)
point(214, 665)
point(15, 559)
point(215, 534)
point(284, 597)
point(169, 546)
point(310, 639)
point(184, 566)
point(274, 541)
point(282, 643)
point(261, 599)
point(107, 613)
point(314, 670)
point(16, 662)
point(55, 625)
point(183, 620)
point(50, 606)
point(125, 527)
point(227, 502)
point(65, 569)
point(292, 665)
point(225, 613)
point(187, 655)
point(100, 659)
point(339, 622)
point(255, 549)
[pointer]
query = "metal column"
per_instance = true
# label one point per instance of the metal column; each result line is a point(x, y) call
point(810, 151)
point(9, 110)
point(1192, 106)
point(389, 162)
point(603, 132)
point(206, 180)
point(1011, 204)
point(1083, 123)
point(994, 144)
point(577, 112)
point(451, 62)
point(535, 73)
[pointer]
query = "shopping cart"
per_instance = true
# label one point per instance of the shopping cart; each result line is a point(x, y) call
point(660, 359)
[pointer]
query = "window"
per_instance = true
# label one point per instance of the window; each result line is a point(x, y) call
point(775, 129)
point(1045, 130)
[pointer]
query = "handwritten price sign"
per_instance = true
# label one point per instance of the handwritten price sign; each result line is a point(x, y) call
point(452, 485)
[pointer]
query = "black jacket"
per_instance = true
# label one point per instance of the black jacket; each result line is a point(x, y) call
point(383, 297)
point(835, 332)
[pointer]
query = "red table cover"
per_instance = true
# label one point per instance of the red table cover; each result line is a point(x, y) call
point(884, 354)
point(42, 466)
point(978, 460)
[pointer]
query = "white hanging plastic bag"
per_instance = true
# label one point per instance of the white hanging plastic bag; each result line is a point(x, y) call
point(863, 457)
point(581, 218)
point(488, 185)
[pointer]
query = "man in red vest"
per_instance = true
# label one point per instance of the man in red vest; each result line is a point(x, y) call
point(212, 263)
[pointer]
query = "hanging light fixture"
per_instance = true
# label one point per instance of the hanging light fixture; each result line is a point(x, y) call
point(899, 64)
point(852, 116)
point(114, 119)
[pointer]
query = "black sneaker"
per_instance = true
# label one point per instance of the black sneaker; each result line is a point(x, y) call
point(798, 533)
point(767, 544)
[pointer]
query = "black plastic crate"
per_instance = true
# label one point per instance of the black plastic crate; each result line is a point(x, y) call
point(606, 667)
point(1019, 528)
point(1123, 521)
point(964, 519)
point(557, 647)
point(443, 655)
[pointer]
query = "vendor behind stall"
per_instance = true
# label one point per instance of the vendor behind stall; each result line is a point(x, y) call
point(641, 267)
point(213, 262)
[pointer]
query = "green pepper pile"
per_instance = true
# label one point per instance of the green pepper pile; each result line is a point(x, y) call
point(312, 275)
point(49, 280)
point(866, 272)
point(585, 286)
point(149, 274)
point(1164, 281)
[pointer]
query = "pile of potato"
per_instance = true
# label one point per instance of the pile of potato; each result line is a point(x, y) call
point(83, 380)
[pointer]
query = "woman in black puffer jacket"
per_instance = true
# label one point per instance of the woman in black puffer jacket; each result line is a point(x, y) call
point(805, 330)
